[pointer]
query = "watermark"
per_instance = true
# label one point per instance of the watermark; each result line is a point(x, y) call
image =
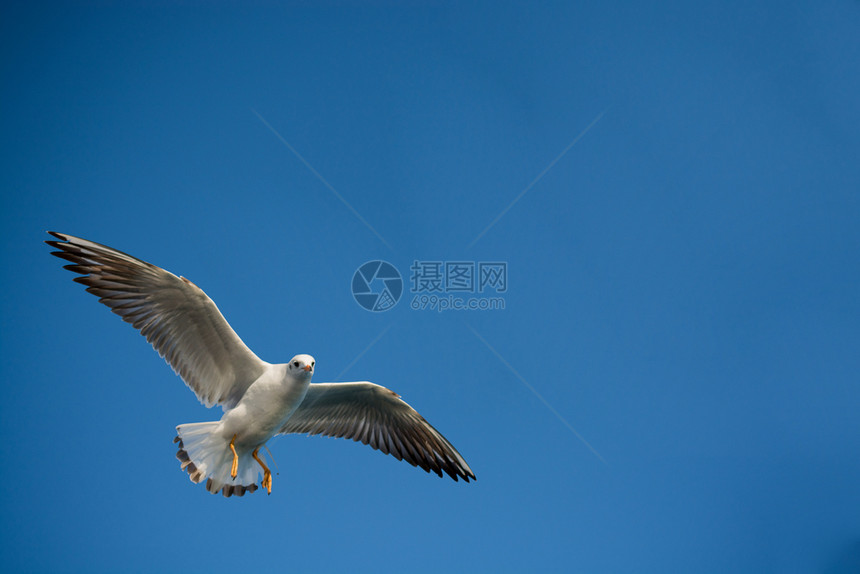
point(459, 276)
point(435, 285)
point(377, 286)
point(452, 303)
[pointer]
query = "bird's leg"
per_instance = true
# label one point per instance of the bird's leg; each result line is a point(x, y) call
point(267, 474)
point(234, 470)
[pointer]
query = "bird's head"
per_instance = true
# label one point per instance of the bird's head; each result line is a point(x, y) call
point(301, 366)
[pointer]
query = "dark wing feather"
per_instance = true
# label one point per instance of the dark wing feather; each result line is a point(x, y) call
point(377, 417)
point(177, 317)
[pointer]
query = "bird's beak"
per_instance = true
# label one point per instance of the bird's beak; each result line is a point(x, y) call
point(307, 368)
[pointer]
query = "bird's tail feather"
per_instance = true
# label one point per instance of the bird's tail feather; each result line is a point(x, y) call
point(205, 454)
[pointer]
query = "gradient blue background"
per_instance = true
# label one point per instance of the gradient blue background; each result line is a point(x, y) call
point(683, 282)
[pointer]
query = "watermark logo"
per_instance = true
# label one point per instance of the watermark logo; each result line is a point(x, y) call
point(435, 285)
point(377, 286)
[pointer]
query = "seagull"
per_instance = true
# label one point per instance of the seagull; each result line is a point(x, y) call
point(260, 400)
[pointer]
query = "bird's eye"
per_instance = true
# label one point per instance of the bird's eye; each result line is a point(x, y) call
point(312, 363)
point(296, 364)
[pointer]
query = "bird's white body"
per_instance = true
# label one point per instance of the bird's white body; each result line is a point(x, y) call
point(261, 413)
point(265, 407)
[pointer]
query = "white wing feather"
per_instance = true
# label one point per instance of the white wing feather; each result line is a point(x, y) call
point(183, 324)
point(377, 417)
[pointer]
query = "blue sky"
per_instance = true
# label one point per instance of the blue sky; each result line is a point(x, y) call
point(682, 282)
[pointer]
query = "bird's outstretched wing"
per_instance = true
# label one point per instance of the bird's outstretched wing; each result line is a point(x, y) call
point(378, 417)
point(177, 317)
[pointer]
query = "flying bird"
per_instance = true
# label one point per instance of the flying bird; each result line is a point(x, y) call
point(260, 400)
